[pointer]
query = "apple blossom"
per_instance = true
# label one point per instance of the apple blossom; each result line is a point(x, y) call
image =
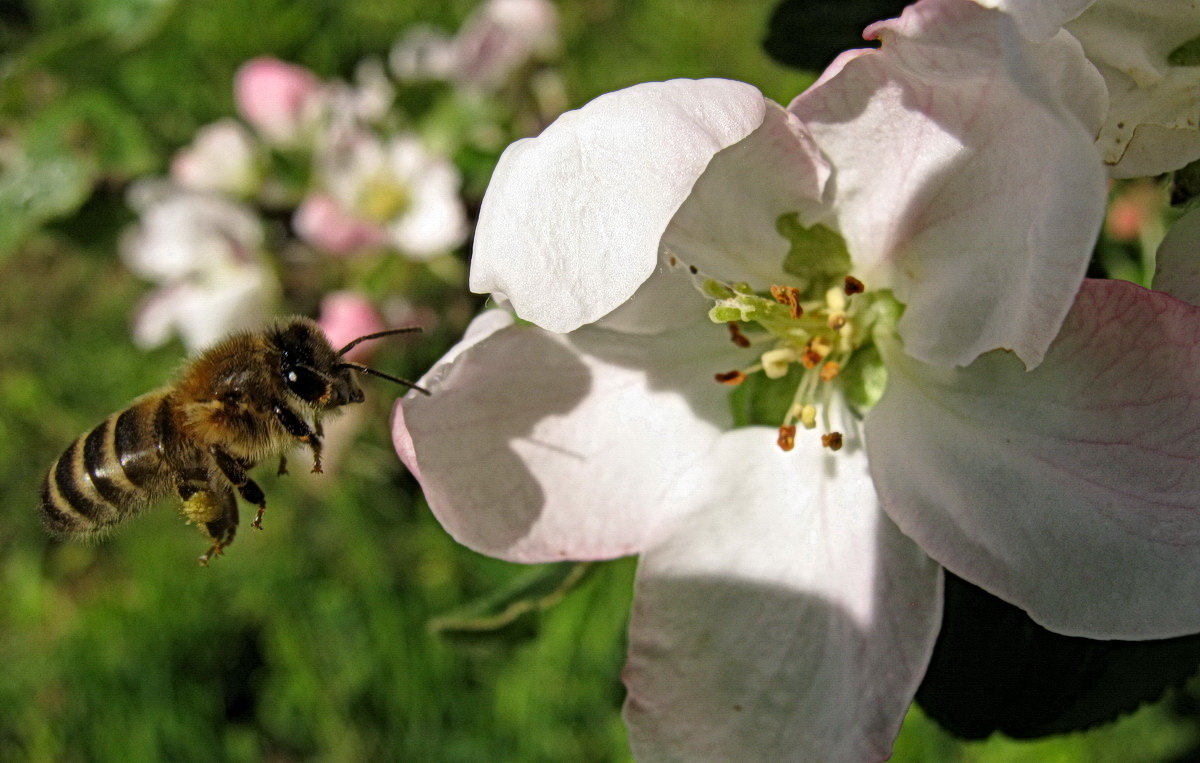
point(400, 186)
point(281, 101)
point(906, 243)
point(205, 252)
point(499, 38)
point(222, 157)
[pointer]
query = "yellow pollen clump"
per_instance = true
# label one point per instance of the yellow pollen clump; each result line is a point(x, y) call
point(830, 370)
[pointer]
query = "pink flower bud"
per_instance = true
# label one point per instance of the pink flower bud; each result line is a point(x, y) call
point(279, 99)
point(347, 315)
point(323, 223)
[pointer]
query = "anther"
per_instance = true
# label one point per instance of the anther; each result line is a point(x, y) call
point(775, 362)
point(789, 297)
point(854, 286)
point(830, 370)
point(693, 269)
point(736, 335)
point(808, 416)
point(832, 440)
point(836, 321)
point(732, 378)
point(787, 438)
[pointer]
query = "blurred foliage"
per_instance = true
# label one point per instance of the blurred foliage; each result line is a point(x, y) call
point(311, 639)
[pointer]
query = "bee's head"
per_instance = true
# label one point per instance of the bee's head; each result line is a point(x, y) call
point(312, 370)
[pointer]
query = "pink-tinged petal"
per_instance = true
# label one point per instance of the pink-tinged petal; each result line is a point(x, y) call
point(535, 446)
point(347, 315)
point(277, 98)
point(322, 222)
point(1153, 121)
point(785, 619)
point(727, 225)
point(1071, 490)
point(964, 178)
point(1177, 264)
point(571, 222)
point(1039, 19)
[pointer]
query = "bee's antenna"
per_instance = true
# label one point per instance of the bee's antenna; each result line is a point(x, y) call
point(376, 335)
point(381, 374)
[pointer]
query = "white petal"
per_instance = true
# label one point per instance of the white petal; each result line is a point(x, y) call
point(1153, 123)
point(964, 179)
point(727, 226)
point(1039, 19)
point(536, 447)
point(1177, 263)
point(1071, 490)
point(786, 619)
point(437, 221)
point(571, 222)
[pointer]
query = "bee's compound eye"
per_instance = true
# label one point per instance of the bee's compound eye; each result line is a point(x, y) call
point(305, 383)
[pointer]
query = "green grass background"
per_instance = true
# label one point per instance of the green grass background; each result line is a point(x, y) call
point(311, 639)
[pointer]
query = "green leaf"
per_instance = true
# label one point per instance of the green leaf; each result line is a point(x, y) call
point(808, 34)
point(1187, 54)
point(92, 124)
point(34, 189)
point(128, 22)
point(508, 611)
point(995, 669)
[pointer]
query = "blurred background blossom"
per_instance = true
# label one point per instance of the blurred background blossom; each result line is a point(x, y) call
point(171, 171)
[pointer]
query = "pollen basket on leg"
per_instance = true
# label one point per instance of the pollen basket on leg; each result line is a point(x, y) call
point(808, 338)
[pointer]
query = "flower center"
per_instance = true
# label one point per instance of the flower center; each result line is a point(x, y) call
point(382, 199)
point(812, 337)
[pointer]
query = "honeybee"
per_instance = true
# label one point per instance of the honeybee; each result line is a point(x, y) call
point(243, 400)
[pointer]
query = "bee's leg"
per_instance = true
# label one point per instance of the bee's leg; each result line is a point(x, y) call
point(282, 465)
point(235, 472)
point(214, 509)
point(297, 428)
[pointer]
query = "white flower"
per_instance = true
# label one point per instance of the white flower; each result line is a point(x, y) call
point(779, 610)
point(222, 157)
point(498, 39)
point(399, 185)
point(205, 252)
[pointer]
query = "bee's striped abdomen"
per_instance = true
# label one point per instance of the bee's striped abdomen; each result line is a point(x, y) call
point(107, 474)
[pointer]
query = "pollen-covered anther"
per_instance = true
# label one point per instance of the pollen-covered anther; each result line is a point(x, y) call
point(815, 351)
point(832, 440)
point(787, 437)
point(830, 370)
point(789, 297)
point(732, 378)
point(853, 286)
point(736, 336)
point(836, 321)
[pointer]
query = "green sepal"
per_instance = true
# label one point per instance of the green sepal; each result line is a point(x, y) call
point(759, 401)
point(863, 379)
point(818, 255)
